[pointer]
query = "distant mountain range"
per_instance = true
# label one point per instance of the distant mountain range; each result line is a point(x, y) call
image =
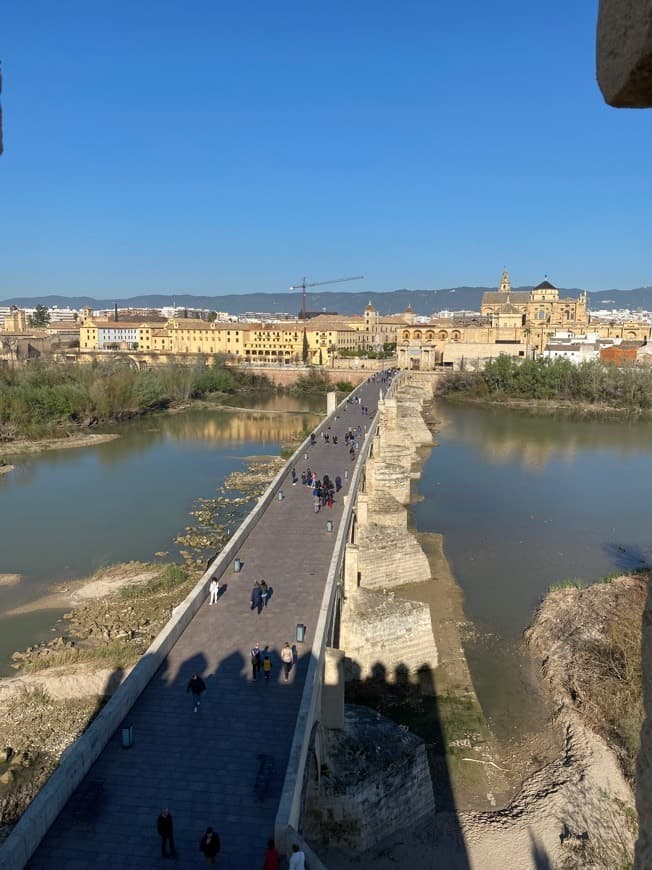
point(390, 302)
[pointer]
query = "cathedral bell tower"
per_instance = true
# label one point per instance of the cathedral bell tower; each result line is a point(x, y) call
point(505, 285)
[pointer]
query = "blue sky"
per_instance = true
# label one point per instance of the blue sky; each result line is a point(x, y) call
point(213, 147)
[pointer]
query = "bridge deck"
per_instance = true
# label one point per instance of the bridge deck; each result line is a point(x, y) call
point(206, 766)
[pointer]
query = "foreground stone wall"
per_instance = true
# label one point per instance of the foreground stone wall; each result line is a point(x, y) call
point(624, 52)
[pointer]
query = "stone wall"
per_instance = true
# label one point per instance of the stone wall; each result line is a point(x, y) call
point(381, 631)
point(624, 52)
point(386, 637)
point(376, 782)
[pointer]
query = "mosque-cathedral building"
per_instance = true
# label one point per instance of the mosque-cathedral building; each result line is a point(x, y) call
point(519, 323)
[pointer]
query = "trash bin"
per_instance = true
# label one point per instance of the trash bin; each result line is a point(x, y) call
point(280, 495)
point(329, 526)
point(237, 566)
point(127, 736)
point(301, 632)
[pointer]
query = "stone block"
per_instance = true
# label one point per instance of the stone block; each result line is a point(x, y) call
point(384, 636)
point(376, 781)
point(624, 52)
point(390, 556)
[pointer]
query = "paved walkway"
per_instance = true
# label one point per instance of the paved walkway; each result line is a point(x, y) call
point(204, 765)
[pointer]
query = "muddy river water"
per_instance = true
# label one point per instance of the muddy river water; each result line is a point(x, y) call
point(523, 503)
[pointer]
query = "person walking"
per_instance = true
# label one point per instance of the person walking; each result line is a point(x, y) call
point(267, 666)
point(256, 597)
point(264, 592)
point(196, 686)
point(287, 657)
point(214, 590)
point(297, 858)
point(209, 845)
point(256, 660)
point(164, 828)
point(294, 477)
point(272, 857)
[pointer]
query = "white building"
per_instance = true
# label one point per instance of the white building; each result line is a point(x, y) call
point(575, 351)
point(122, 334)
point(62, 315)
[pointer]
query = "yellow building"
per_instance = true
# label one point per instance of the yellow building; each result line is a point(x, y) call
point(15, 321)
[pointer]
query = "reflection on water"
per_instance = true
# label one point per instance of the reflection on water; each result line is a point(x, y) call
point(508, 435)
point(525, 502)
point(67, 513)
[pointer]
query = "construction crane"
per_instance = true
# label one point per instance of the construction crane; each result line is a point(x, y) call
point(302, 286)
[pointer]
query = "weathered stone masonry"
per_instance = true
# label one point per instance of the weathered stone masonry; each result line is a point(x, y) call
point(374, 777)
point(379, 629)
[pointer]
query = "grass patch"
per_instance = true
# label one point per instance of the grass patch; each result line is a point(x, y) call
point(115, 655)
point(172, 577)
point(575, 583)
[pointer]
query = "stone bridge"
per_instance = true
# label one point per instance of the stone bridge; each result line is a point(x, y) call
point(247, 761)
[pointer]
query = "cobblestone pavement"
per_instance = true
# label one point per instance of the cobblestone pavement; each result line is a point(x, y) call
point(204, 765)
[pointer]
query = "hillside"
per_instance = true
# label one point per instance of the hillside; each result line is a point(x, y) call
point(387, 302)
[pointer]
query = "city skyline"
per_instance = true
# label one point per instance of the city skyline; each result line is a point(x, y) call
point(231, 150)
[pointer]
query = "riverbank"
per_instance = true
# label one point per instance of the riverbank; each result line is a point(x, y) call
point(23, 446)
point(547, 407)
point(574, 810)
point(587, 385)
point(61, 684)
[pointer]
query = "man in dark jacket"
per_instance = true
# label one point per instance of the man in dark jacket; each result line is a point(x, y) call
point(196, 685)
point(257, 597)
point(256, 660)
point(210, 846)
point(164, 828)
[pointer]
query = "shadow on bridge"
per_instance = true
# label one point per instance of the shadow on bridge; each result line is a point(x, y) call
point(222, 765)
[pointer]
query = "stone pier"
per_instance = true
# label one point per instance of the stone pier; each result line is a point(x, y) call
point(380, 631)
point(375, 778)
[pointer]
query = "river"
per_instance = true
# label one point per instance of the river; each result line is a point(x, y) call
point(525, 502)
point(66, 513)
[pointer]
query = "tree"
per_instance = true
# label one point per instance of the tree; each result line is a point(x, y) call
point(41, 316)
point(306, 347)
